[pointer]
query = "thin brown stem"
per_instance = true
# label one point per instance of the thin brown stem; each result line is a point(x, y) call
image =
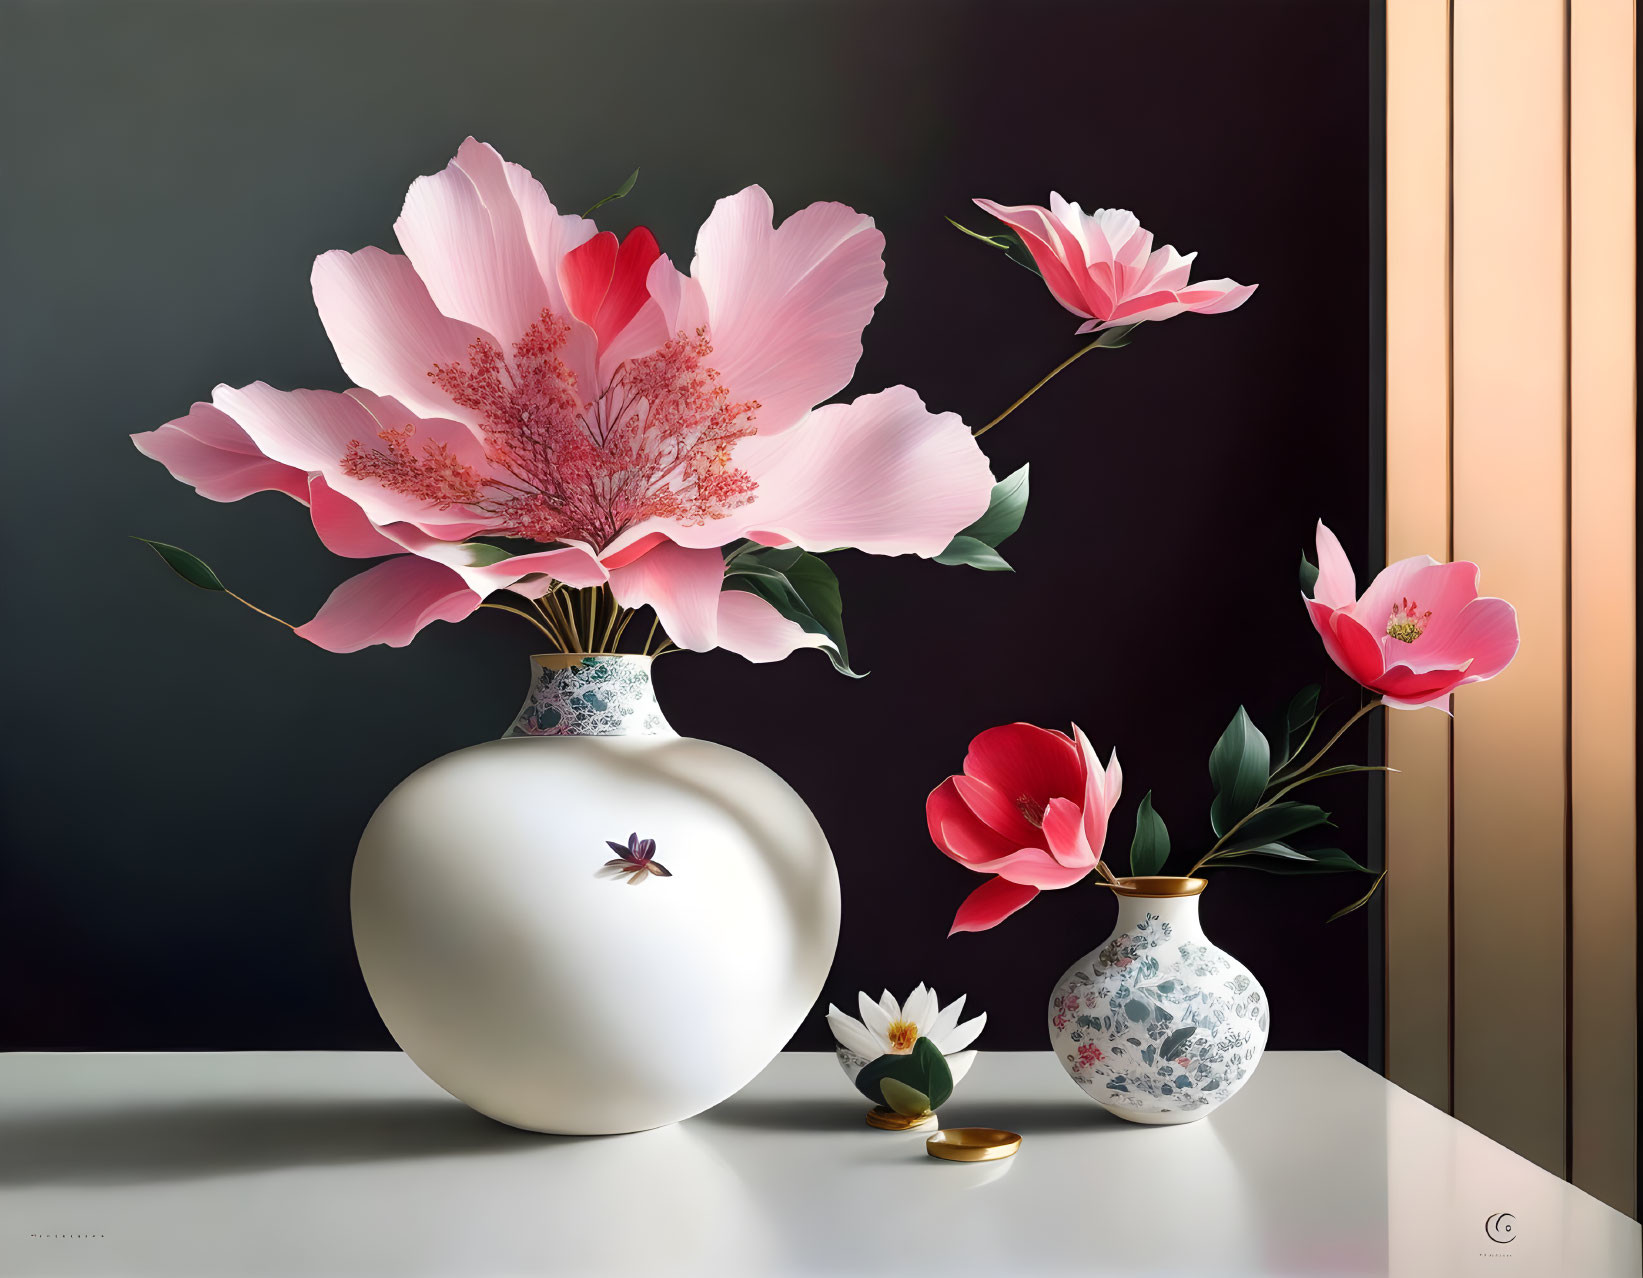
point(628, 614)
point(521, 613)
point(1107, 874)
point(256, 609)
point(654, 622)
point(1038, 385)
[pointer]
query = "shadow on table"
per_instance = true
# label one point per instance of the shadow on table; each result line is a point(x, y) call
point(805, 1114)
point(171, 1142)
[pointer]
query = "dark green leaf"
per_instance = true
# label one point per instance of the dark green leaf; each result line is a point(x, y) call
point(1277, 822)
point(617, 194)
point(1136, 1010)
point(1360, 902)
point(1297, 725)
point(189, 567)
point(1113, 339)
point(974, 552)
point(904, 1099)
point(924, 1069)
point(1012, 244)
point(482, 554)
point(1239, 766)
point(1280, 858)
point(1176, 1041)
point(1309, 575)
point(799, 586)
point(1150, 847)
point(1005, 510)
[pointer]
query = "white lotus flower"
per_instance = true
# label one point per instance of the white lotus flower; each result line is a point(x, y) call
point(891, 1028)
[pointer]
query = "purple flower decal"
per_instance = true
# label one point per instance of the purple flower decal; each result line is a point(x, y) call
point(635, 860)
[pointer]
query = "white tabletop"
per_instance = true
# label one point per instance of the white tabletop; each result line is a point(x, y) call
point(345, 1163)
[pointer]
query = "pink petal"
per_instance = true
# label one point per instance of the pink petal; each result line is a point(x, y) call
point(999, 811)
point(1336, 586)
point(958, 831)
point(1216, 297)
point(550, 233)
point(682, 586)
point(1035, 867)
point(386, 330)
point(1361, 654)
point(786, 306)
point(388, 604)
point(752, 628)
point(462, 230)
point(574, 565)
point(343, 527)
point(1102, 788)
point(1485, 634)
point(1064, 834)
point(208, 450)
point(990, 904)
point(605, 285)
point(882, 474)
point(312, 431)
point(1323, 621)
point(1444, 590)
point(1037, 229)
point(1026, 762)
point(1409, 689)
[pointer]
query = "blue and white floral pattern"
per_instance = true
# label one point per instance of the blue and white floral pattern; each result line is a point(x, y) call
point(609, 695)
point(1159, 1025)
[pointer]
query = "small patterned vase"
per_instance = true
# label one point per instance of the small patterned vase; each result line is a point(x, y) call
point(1158, 1024)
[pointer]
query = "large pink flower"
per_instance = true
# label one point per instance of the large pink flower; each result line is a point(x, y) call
point(1030, 809)
point(1419, 632)
point(1102, 265)
point(521, 374)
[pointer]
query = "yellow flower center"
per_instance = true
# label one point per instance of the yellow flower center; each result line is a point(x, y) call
point(1406, 623)
point(903, 1034)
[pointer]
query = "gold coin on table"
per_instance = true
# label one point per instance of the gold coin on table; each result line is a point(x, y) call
point(972, 1144)
point(887, 1119)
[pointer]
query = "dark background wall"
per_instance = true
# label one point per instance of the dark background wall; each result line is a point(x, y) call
point(184, 782)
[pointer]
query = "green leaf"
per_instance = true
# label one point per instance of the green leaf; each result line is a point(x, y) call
point(974, 552)
point(1240, 766)
point(904, 1099)
point(1299, 717)
point(1176, 1041)
point(1005, 510)
point(1149, 849)
point(1113, 339)
point(1309, 575)
point(1012, 244)
point(1280, 858)
point(190, 568)
point(1277, 822)
point(617, 194)
point(481, 554)
point(1360, 902)
point(799, 586)
point(924, 1069)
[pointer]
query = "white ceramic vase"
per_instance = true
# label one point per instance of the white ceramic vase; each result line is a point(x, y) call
point(557, 992)
point(1159, 1024)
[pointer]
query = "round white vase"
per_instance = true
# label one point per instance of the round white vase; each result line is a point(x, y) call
point(554, 991)
point(1159, 1024)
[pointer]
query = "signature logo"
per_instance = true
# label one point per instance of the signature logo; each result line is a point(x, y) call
point(1501, 1227)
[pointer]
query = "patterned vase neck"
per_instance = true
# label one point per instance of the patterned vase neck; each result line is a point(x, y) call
point(590, 695)
point(1180, 912)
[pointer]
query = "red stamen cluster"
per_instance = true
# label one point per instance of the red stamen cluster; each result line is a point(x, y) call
point(656, 442)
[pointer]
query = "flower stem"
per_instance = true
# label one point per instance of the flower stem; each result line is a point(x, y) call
point(1076, 355)
point(256, 609)
point(1107, 874)
point(1294, 777)
point(518, 613)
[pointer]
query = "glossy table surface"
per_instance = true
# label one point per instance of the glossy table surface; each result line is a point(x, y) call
point(349, 1163)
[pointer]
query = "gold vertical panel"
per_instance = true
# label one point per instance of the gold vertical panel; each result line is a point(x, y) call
point(1417, 522)
point(1603, 633)
point(1509, 493)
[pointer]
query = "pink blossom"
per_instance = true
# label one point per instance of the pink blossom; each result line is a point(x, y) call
point(1102, 265)
point(1030, 809)
point(1088, 1054)
point(521, 374)
point(1420, 631)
